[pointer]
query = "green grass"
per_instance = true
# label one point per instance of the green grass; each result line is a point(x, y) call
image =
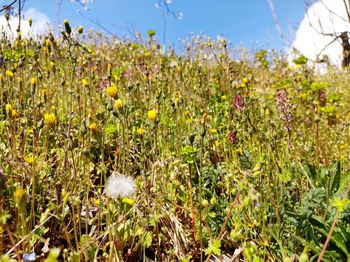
point(248, 155)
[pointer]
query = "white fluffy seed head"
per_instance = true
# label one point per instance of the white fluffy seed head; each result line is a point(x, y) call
point(119, 185)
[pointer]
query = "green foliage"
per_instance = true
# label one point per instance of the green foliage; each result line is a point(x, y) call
point(214, 247)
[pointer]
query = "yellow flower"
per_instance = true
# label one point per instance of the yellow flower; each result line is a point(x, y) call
point(84, 82)
point(29, 159)
point(13, 113)
point(96, 201)
point(50, 119)
point(9, 73)
point(112, 91)
point(118, 104)
point(140, 131)
point(18, 195)
point(93, 127)
point(67, 26)
point(128, 201)
point(152, 115)
point(8, 108)
point(223, 98)
point(213, 130)
point(80, 29)
point(33, 81)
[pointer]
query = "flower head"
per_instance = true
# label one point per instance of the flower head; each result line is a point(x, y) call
point(9, 73)
point(112, 91)
point(118, 104)
point(152, 115)
point(93, 127)
point(140, 131)
point(18, 194)
point(84, 82)
point(50, 119)
point(239, 103)
point(33, 81)
point(119, 185)
point(80, 29)
point(8, 108)
point(67, 26)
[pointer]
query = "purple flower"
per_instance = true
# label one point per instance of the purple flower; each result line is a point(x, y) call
point(232, 137)
point(103, 84)
point(286, 112)
point(29, 257)
point(322, 98)
point(239, 103)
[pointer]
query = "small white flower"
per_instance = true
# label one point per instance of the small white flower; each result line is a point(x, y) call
point(119, 185)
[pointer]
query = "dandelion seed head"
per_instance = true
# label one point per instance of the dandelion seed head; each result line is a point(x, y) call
point(119, 185)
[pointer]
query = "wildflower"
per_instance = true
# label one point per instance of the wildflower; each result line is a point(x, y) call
point(33, 81)
point(128, 201)
point(232, 137)
point(213, 130)
point(50, 119)
point(84, 82)
point(119, 185)
point(30, 21)
point(8, 108)
point(9, 73)
point(140, 131)
point(29, 159)
point(29, 257)
point(112, 91)
point(93, 127)
point(103, 84)
point(67, 26)
point(80, 29)
point(152, 115)
point(322, 98)
point(118, 104)
point(239, 103)
point(286, 108)
point(18, 195)
point(223, 98)
point(13, 113)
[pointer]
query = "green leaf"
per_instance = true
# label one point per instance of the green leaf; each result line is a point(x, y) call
point(110, 129)
point(300, 60)
point(335, 179)
point(337, 238)
point(147, 240)
point(214, 247)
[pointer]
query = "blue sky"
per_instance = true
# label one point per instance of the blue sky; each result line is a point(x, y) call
point(240, 21)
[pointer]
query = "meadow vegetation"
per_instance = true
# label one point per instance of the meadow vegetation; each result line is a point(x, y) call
point(114, 150)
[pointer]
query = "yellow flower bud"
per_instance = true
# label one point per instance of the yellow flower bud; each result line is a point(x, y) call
point(140, 131)
point(152, 115)
point(118, 104)
point(9, 74)
point(93, 127)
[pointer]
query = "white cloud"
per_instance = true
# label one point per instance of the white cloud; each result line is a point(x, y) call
point(328, 17)
point(40, 24)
